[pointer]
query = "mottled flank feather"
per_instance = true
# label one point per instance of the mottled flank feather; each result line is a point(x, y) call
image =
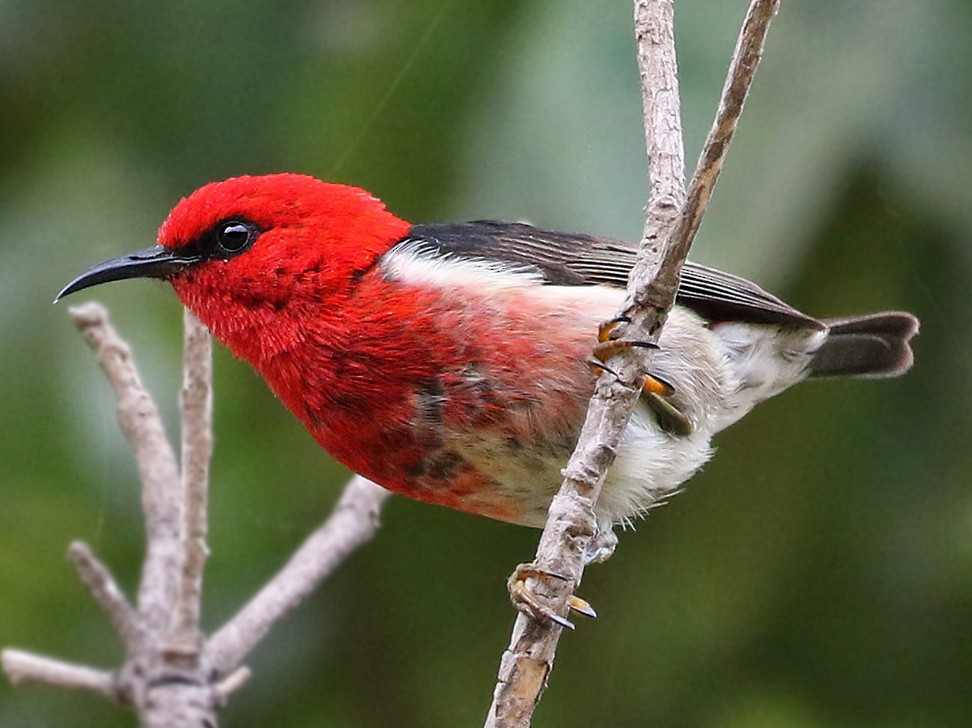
point(726, 347)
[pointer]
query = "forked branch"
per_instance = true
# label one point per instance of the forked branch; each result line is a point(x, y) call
point(672, 220)
point(171, 674)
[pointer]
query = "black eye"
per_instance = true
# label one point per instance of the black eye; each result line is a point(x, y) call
point(235, 236)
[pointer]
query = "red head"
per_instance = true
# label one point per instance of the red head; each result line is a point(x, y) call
point(242, 250)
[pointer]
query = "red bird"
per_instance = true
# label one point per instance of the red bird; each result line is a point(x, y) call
point(449, 362)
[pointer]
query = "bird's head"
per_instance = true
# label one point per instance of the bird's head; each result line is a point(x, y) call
point(260, 243)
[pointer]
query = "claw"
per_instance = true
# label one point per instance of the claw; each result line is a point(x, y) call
point(652, 384)
point(610, 342)
point(602, 546)
point(597, 368)
point(562, 621)
point(605, 332)
point(656, 385)
point(581, 606)
point(668, 417)
point(655, 389)
point(525, 600)
point(604, 350)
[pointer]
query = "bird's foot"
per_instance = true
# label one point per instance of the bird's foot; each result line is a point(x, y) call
point(651, 384)
point(525, 600)
point(655, 390)
point(610, 342)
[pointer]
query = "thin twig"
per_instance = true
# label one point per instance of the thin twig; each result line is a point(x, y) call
point(669, 232)
point(26, 667)
point(105, 590)
point(742, 69)
point(352, 523)
point(229, 685)
point(654, 24)
point(196, 402)
point(140, 422)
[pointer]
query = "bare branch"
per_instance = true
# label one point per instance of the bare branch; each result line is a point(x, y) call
point(352, 523)
point(105, 590)
point(178, 702)
point(231, 684)
point(669, 232)
point(170, 674)
point(197, 447)
point(745, 59)
point(25, 667)
point(140, 422)
point(658, 68)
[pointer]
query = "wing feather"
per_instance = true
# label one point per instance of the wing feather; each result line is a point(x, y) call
point(573, 259)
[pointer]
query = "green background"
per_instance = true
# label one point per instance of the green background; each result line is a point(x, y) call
point(817, 573)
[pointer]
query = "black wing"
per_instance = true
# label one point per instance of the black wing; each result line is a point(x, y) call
point(575, 259)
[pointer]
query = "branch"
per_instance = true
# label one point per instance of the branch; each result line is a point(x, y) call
point(739, 79)
point(142, 426)
point(196, 402)
point(353, 522)
point(171, 674)
point(25, 667)
point(658, 69)
point(105, 590)
point(669, 231)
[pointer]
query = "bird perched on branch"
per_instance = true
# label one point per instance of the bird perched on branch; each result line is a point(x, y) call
point(451, 362)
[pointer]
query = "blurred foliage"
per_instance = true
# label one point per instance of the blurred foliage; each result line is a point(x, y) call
point(818, 573)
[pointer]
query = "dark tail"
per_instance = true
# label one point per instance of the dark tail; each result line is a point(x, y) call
point(866, 346)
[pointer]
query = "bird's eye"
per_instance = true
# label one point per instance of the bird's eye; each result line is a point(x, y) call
point(235, 236)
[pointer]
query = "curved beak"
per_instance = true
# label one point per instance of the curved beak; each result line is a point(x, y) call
point(154, 262)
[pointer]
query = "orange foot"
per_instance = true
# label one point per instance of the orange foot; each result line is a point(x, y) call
point(655, 390)
point(525, 600)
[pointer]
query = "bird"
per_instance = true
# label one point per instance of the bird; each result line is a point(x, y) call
point(451, 362)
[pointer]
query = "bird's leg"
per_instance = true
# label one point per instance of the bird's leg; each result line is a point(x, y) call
point(655, 390)
point(610, 343)
point(651, 384)
point(525, 600)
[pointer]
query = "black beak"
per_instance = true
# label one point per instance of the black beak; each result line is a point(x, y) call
point(155, 262)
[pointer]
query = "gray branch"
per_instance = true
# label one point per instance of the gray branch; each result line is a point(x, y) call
point(105, 590)
point(142, 426)
point(196, 401)
point(352, 523)
point(25, 667)
point(171, 674)
point(672, 220)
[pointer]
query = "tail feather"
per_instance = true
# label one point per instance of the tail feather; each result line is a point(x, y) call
point(875, 345)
